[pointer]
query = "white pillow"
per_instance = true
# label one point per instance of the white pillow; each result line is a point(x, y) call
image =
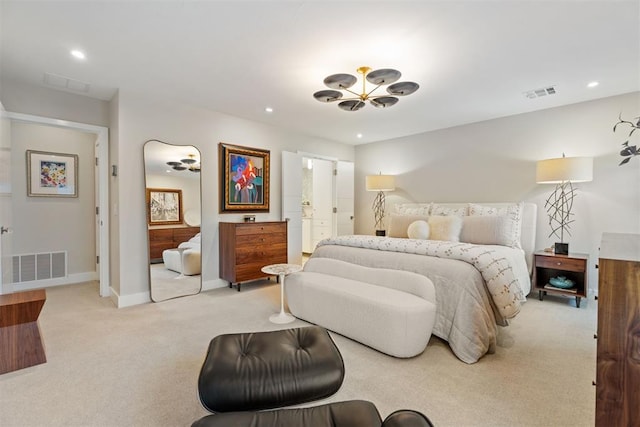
point(445, 227)
point(418, 230)
point(398, 224)
point(514, 214)
point(487, 230)
point(446, 210)
point(421, 209)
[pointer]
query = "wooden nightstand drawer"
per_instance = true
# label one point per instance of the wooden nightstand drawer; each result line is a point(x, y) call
point(561, 263)
point(572, 267)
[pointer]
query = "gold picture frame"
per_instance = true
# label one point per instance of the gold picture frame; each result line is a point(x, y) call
point(244, 178)
point(164, 206)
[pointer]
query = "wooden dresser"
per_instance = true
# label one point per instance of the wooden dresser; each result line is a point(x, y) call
point(246, 247)
point(618, 359)
point(168, 238)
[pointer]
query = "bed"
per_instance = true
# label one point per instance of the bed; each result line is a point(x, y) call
point(186, 262)
point(480, 266)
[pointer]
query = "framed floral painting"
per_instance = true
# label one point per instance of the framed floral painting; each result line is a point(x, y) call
point(244, 178)
point(52, 174)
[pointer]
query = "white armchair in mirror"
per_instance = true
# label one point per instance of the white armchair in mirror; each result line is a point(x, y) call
point(172, 187)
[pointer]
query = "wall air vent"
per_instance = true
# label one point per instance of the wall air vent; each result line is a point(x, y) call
point(41, 266)
point(537, 93)
point(66, 83)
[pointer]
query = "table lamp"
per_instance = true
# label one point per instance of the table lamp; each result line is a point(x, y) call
point(379, 183)
point(563, 172)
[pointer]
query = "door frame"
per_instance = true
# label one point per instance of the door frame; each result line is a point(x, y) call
point(102, 200)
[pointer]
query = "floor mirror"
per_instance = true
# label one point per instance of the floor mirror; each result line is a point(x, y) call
point(173, 205)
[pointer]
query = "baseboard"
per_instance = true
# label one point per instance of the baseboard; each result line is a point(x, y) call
point(122, 301)
point(60, 281)
point(214, 284)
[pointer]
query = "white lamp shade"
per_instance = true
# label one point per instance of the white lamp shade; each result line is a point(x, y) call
point(380, 183)
point(574, 169)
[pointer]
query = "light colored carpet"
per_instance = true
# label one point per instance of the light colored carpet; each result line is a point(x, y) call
point(138, 366)
point(167, 284)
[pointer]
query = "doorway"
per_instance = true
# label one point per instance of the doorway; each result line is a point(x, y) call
point(317, 200)
point(101, 150)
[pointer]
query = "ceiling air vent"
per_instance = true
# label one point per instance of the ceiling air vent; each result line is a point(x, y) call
point(61, 82)
point(537, 93)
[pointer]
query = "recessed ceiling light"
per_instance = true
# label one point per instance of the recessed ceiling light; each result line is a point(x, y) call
point(593, 84)
point(359, 135)
point(78, 54)
point(268, 109)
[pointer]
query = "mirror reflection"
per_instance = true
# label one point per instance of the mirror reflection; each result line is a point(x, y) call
point(172, 181)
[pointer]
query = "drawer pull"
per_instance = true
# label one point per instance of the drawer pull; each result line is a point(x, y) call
point(558, 263)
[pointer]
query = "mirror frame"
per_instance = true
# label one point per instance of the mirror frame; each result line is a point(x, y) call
point(182, 212)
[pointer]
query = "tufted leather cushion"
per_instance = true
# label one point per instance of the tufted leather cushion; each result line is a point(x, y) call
point(264, 370)
point(353, 413)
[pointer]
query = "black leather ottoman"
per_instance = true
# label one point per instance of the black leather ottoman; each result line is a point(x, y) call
point(244, 374)
point(264, 370)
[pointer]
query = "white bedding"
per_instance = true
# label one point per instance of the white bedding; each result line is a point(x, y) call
point(468, 310)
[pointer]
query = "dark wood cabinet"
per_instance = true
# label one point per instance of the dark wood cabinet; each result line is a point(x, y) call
point(246, 247)
point(618, 354)
point(168, 238)
point(572, 266)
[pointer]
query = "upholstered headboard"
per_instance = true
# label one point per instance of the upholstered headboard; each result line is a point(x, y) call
point(529, 218)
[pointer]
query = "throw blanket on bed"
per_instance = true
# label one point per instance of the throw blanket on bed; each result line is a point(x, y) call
point(502, 282)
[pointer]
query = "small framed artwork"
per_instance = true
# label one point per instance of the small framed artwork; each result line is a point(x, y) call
point(52, 174)
point(164, 206)
point(244, 178)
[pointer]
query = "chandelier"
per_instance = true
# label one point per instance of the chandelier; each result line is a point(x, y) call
point(378, 78)
point(191, 164)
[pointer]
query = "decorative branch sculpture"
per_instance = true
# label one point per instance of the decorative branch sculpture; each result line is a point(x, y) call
point(628, 151)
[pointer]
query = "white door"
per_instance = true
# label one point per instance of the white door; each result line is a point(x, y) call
point(344, 197)
point(6, 272)
point(292, 204)
point(322, 201)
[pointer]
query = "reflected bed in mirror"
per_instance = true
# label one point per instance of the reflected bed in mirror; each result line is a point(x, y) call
point(172, 186)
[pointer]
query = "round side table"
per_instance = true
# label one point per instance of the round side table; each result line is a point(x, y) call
point(281, 270)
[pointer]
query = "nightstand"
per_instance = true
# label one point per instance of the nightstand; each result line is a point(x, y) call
point(573, 266)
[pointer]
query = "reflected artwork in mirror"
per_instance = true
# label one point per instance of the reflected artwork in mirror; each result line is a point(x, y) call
point(172, 188)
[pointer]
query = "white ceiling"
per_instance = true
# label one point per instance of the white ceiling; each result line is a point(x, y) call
point(473, 60)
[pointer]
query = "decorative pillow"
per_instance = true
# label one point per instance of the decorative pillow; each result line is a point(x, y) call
point(445, 227)
point(446, 210)
point(514, 214)
point(398, 224)
point(487, 230)
point(413, 208)
point(418, 230)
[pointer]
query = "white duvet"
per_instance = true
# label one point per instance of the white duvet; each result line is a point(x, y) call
point(477, 287)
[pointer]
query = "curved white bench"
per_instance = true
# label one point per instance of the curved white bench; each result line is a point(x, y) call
point(392, 311)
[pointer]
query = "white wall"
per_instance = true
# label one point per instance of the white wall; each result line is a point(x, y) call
point(48, 224)
point(495, 161)
point(41, 101)
point(141, 118)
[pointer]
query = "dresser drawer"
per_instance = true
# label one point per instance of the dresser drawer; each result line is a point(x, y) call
point(252, 240)
point(560, 263)
point(253, 229)
point(257, 254)
point(254, 270)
